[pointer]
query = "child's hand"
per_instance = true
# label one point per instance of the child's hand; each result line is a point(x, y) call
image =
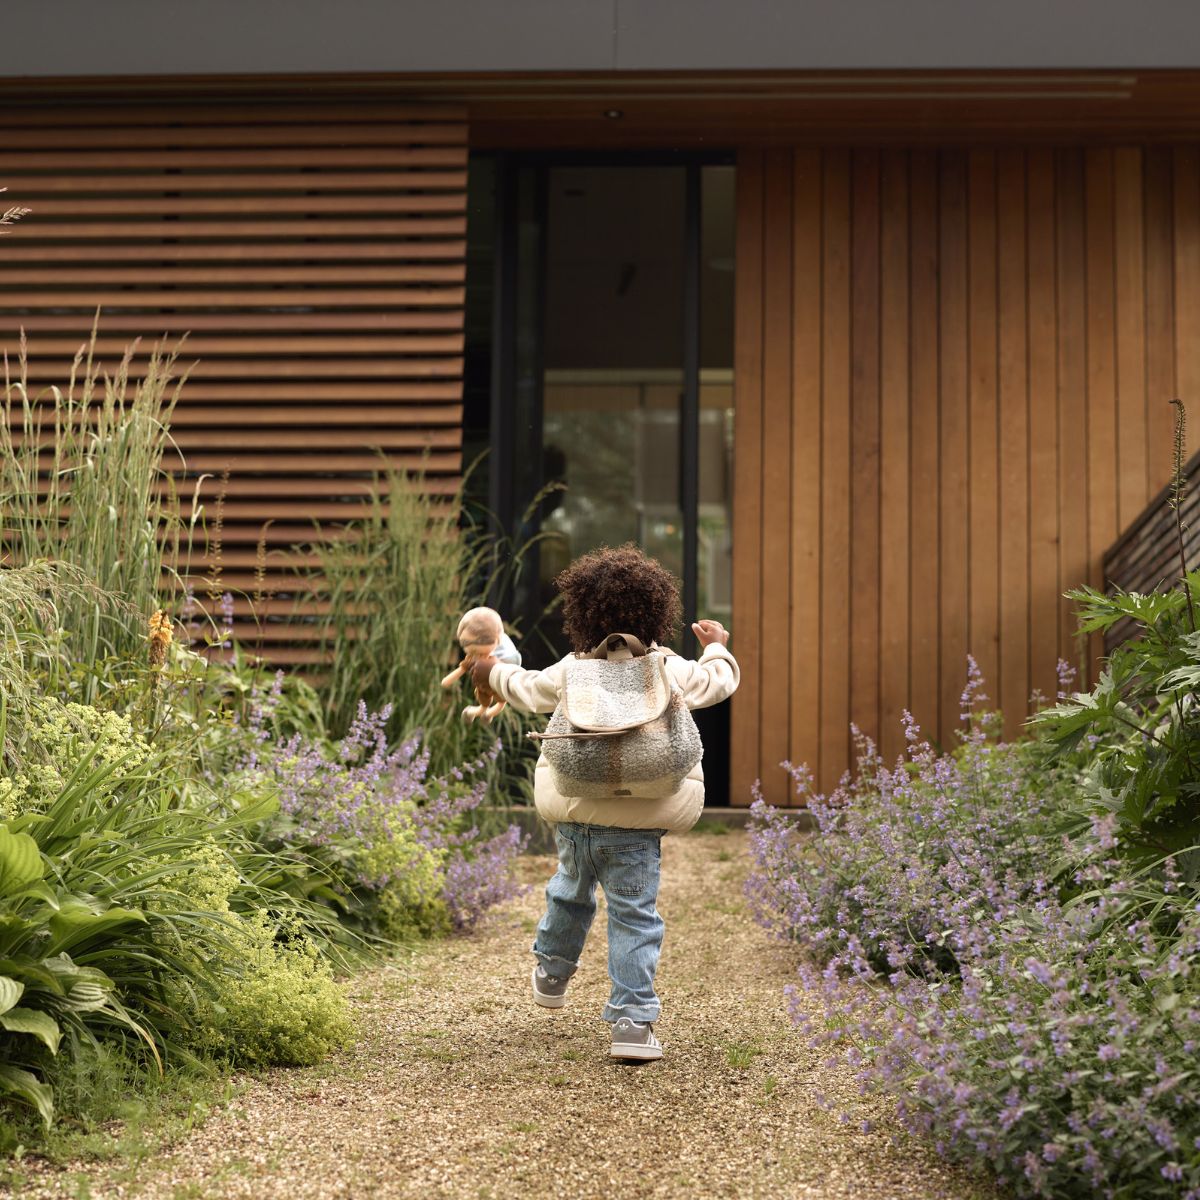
point(708, 632)
point(481, 671)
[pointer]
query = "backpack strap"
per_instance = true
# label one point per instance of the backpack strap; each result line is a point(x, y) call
point(619, 647)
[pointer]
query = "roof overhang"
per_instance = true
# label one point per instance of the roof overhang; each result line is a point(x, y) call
point(607, 109)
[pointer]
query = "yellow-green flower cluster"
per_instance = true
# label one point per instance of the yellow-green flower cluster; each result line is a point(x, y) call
point(59, 736)
point(274, 999)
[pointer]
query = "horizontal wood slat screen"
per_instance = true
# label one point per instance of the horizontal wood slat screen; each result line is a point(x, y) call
point(953, 378)
point(314, 254)
point(1145, 558)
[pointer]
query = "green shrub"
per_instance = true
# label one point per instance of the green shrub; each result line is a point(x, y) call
point(270, 998)
point(1136, 736)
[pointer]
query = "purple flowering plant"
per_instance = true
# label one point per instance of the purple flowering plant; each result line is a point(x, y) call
point(402, 850)
point(1028, 999)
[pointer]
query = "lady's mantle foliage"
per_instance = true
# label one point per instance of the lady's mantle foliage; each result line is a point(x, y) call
point(1029, 1000)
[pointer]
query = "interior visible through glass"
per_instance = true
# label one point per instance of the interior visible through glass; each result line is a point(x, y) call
point(613, 368)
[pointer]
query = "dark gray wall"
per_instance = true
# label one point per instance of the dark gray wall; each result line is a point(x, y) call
point(169, 37)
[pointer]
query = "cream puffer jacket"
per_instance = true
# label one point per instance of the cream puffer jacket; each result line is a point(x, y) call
point(711, 678)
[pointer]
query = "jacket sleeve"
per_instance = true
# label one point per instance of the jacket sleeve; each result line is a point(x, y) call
point(708, 680)
point(530, 691)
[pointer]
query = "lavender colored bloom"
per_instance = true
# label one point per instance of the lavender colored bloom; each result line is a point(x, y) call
point(1019, 993)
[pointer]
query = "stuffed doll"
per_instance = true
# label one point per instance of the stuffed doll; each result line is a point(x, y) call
point(481, 635)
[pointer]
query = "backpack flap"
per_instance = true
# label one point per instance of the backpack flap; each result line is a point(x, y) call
point(610, 696)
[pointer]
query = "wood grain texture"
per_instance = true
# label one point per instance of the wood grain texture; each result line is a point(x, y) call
point(1012, 686)
point(983, 516)
point(982, 347)
point(836, 477)
point(895, 448)
point(864, 441)
point(317, 254)
point(776, 474)
point(1043, 423)
point(806, 643)
point(746, 763)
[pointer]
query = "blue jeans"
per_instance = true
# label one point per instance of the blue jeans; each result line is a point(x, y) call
point(625, 863)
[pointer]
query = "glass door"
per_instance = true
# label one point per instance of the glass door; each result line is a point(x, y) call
point(612, 378)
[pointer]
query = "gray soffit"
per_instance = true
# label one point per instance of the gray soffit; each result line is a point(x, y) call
point(104, 38)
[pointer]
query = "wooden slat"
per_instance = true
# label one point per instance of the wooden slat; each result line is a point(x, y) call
point(1102, 476)
point(247, 298)
point(317, 225)
point(266, 204)
point(746, 760)
point(864, 442)
point(174, 323)
point(954, 491)
point(983, 616)
point(232, 112)
point(1013, 685)
point(308, 275)
point(302, 251)
point(1074, 562)
point(895, 447)
point(42, 372)
point(805, 515)
point(925, 305)
point(163, 137)
point(1187, 285)
point(423, 416)
point(36, 186)
point(1129, 291)
point(1158, 191)
point(65, 348)
point(775, 702)
point(1045, 647)
point(835, 472)
point(232, 158)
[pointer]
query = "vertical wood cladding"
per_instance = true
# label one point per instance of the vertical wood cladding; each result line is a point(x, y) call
point(314, 254)
point(953, 375)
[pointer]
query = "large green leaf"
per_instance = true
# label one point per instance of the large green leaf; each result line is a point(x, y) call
point(20, 861)
point(78, 922)
point(32, 971)
point(10, 992)
point(39, 1024)
point(26, 1087)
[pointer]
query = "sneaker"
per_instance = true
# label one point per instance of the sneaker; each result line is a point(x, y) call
point(633, 1039)
point(548, 990)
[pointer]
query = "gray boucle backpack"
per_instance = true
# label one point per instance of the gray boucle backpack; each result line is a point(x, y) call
point(621, 727)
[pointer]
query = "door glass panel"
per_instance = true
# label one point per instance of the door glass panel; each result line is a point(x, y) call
point(613, 361)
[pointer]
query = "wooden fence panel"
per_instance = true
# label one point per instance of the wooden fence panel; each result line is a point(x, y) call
point(316, 256)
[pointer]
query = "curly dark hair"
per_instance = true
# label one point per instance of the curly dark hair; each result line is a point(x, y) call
point(618, 591)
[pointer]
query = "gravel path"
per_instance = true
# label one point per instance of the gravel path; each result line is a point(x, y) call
point(461, 1087)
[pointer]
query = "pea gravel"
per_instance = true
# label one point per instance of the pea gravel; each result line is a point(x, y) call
point(461, 1087)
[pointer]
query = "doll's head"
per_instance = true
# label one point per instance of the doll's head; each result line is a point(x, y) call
point(479, 631)
point(618, 591)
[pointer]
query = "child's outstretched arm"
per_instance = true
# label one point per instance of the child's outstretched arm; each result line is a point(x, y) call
point(714, 676)
point(529, 691)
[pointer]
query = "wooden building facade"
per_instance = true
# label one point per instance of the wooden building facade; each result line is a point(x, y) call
point(961, 306)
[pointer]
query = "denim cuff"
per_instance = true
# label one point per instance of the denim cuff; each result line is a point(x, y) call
point(560, 968)
point(642, 1013)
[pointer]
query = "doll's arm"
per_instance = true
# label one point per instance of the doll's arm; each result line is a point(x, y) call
point(456, 674)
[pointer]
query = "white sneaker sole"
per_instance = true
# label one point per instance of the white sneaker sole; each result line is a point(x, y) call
point(542, 998)
point(635, 1050)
